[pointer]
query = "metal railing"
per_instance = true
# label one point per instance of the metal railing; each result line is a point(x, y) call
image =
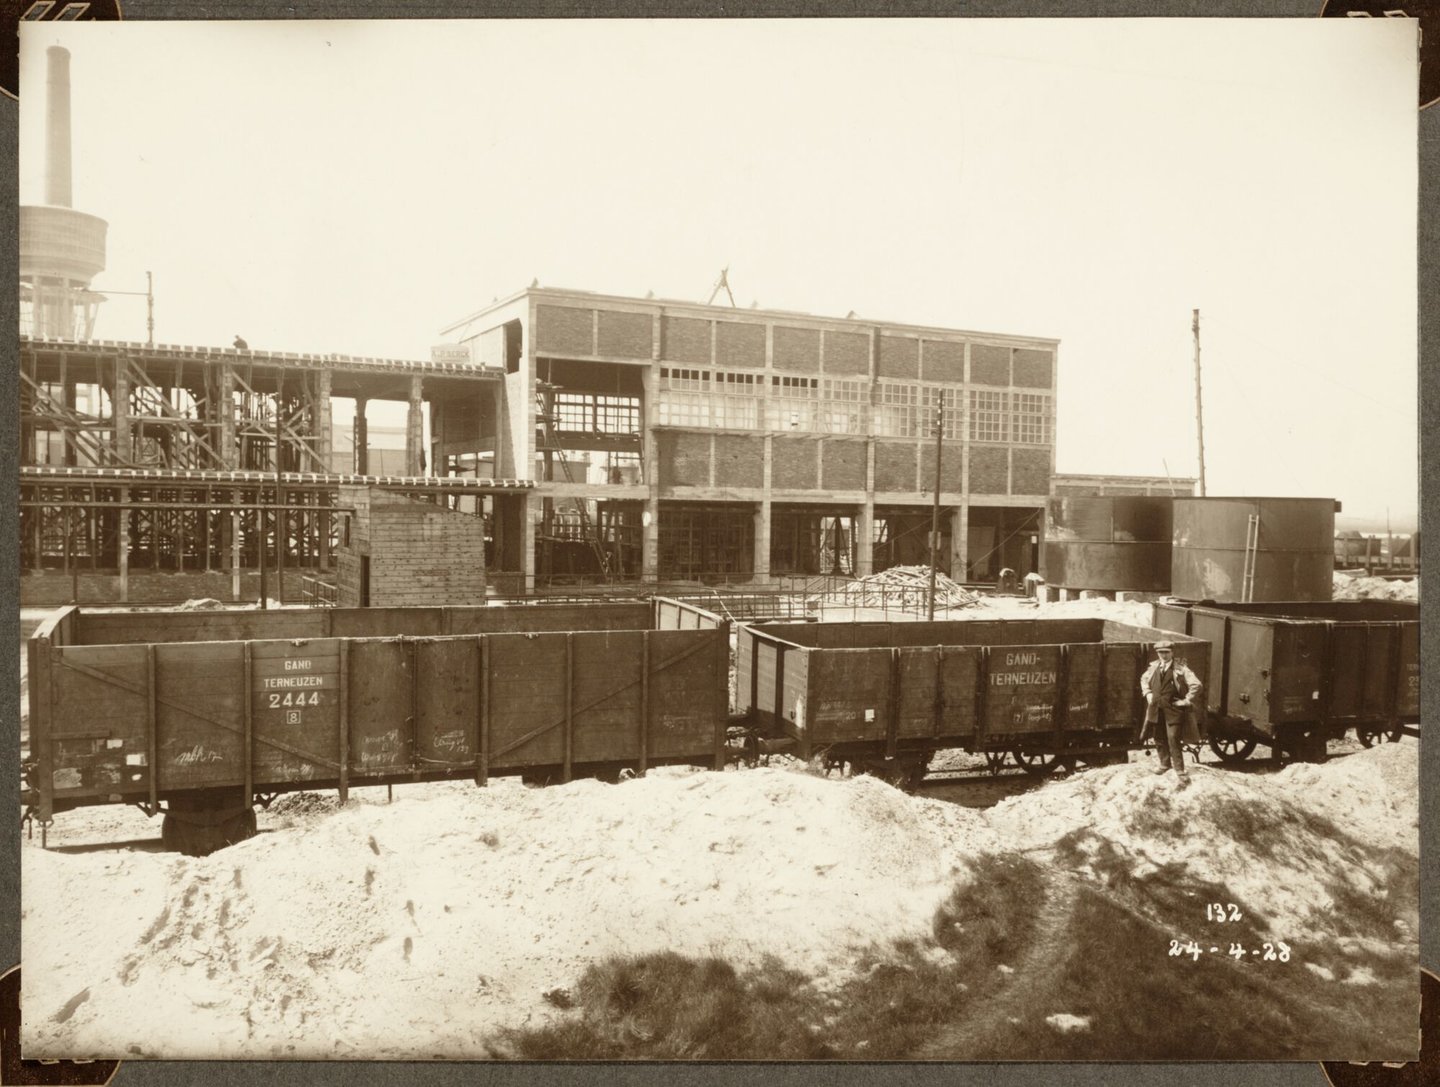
point(317, 593)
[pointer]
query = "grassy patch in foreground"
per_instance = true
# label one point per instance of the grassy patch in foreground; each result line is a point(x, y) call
point(1011, 948)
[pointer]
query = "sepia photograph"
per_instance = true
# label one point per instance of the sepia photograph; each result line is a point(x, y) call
point(825, 540)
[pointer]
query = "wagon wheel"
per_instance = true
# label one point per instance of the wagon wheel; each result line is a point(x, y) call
point(1369, 735)
point(995, 760)
point(1231, 749)
point(1037, 762)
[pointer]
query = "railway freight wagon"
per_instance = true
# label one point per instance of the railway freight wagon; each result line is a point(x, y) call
point(887, 696)
point(1295, 675)
point(200, 715)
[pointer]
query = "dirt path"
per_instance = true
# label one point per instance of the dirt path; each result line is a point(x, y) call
point(1018, 993)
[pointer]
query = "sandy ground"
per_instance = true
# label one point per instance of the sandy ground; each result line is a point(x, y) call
point(422, 927)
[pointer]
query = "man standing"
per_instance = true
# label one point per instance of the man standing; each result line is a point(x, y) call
point(1171, 692)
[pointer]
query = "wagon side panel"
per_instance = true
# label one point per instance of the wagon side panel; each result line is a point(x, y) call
point(447, 695)
point(1249, 665)
point(379, 701)
point(847, 697)
point(686, 670)
point(606, 699)
point(295, 710)
point(1407, 671)
point(1081, 695)
point(1122, 665)
point(1021, 689)
point(200, 715)
point(527, 699)
point(100, 712)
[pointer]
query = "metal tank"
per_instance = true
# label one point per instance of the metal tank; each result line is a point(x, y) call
point(1253, 549)
point(1108, 543)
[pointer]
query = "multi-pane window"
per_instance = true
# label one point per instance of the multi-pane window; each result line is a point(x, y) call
point(841, 409)
point(591, 414)
point(684, 380)
point(1032, 418)
point(988, 416)
point(895, 413)
point(790, 405)
point(951, 416)
point(684, 409)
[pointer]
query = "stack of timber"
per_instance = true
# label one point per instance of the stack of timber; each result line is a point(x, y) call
point(906, 586)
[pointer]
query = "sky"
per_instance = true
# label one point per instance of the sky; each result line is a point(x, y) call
point(355, 188)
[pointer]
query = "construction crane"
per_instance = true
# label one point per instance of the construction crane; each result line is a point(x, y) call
point(723, 281)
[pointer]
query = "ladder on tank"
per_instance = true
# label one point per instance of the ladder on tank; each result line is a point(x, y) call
point(1252, 549)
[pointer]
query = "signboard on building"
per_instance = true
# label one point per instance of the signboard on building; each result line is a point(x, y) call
point(450, 352)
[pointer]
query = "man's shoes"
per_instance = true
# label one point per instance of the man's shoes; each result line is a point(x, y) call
point(1183, 776)
point(1160, 770)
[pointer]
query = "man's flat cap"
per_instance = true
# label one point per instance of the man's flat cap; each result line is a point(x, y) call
point(1165, 645)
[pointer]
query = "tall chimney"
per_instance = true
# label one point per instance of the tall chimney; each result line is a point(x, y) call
point(57, 128)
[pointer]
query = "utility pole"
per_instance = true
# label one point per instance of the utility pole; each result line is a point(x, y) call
point(935, 506)
point(149, 309)
point(1199, 403)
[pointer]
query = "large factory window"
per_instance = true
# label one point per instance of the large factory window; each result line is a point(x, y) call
point(896, 417)
point(1032, 419)
point(951, 418)
point(988, 417)
point(591, 414)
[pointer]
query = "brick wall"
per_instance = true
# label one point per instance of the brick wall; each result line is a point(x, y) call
point(899, 357)
point(842, 466)
point(895, 468)
point(739, 344)
point(684, 459)
point(952, 469)
point(847, 353)
point(1030, 471)
point(989, 469)
point(793, 463)
point(989, 365)
point(1034, 369)
point(420, 554)
point(739, 462)
point(797, 348)
point(685, 339)
point(944, 361)
point(626, 335)
point(564, 331)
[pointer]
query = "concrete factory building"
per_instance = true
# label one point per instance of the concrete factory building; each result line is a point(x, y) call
point(676, 441)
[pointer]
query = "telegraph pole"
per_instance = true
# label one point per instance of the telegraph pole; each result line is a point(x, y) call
point(935, 506)
point(1199, 408)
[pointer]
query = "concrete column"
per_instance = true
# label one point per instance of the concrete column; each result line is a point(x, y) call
point(959, 529)
point(415, 429)
point(225, 411)
point(650, 459)
point(120, 410)
point(122, 545)
point(761, 561)
point(324, 422)
point(361, 432)
point(531, 507)
point(865, 547)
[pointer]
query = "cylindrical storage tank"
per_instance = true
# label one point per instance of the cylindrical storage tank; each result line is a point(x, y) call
point(1110, 543)
point(1294, 552)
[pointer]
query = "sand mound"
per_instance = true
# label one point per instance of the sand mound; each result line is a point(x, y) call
point(1280, 843)
point(1359, 587)
point(421, 928)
